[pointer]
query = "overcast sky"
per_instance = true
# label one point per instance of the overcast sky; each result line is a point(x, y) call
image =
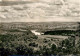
point(74, 1)
point(39, 12)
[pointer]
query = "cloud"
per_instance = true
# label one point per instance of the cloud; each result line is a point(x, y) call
point(40, 12)
point(74, 1)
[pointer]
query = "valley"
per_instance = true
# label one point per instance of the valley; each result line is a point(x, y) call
point(38, 38)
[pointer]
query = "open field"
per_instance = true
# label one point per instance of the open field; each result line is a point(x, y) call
point(53, 36)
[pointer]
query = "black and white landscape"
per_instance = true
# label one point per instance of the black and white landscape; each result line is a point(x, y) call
point(40, 27)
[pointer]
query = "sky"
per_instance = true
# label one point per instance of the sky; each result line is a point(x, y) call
point(74, 1)
point(37, 14)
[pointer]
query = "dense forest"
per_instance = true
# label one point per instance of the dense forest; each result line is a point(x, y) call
point(61, 32)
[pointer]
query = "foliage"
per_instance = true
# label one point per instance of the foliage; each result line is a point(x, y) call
point(60, 32)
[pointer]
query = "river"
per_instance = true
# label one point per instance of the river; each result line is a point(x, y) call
point(35, 32)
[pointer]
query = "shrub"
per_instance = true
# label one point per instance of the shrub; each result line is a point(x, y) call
point(33, 44)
